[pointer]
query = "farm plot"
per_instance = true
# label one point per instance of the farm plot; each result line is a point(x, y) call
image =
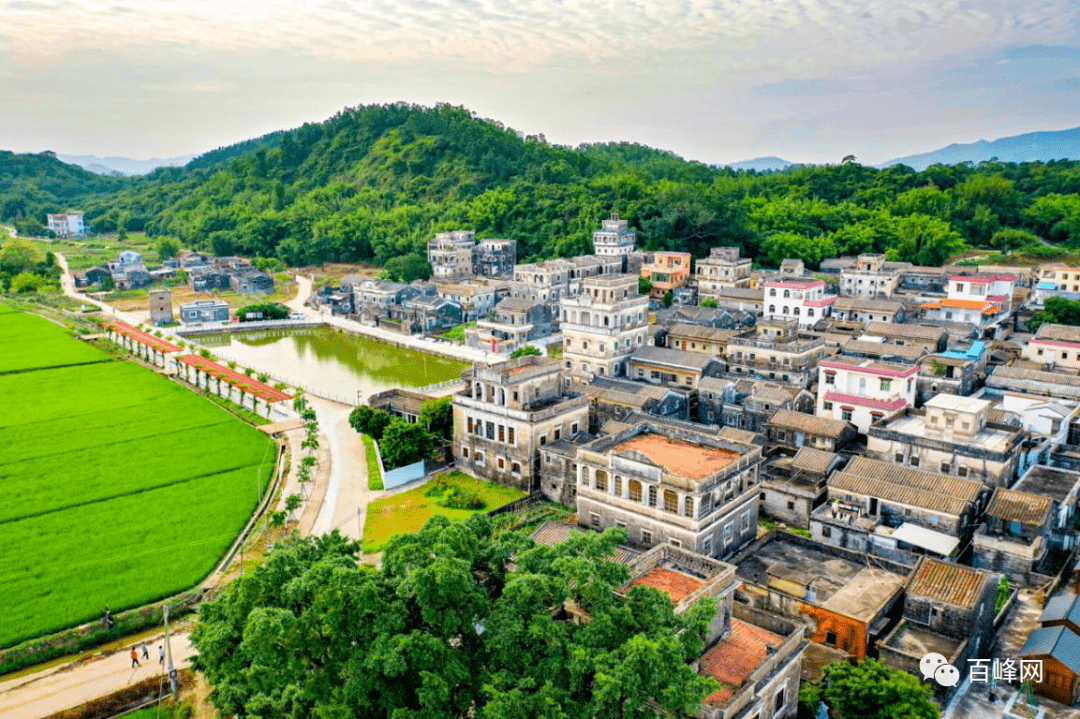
point(29, 342)
point(122, 487)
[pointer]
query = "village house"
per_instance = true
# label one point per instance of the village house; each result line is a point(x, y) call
point(863, 392)
point(948, 609)
point(805, 300)
point(457, 255)
point(666, 272)
point(848, 602)
point(603, 326)
point(426, 312)
point(399, 402)
point(869, 278)
point(1056, 280)
point(333, 300)
point(979, 301)
point(1013, 378)
point(1055, 644)
point(793, 486)
point(794, 430)
point(933, 339)
point(1062, 487)
point(954, 435)
point(792, 267)
point(776, 351)
point(887, 510)
point(958, 372)
point(1014, 538)
point(672, 482)
point(738, 299)
point(876, 349)
point(747, 403)
point(373, 298)
point(206, 278)
point(614, 239)
point(864, 309)
point(716, 317)
point(204, 311)
point(1055, 347)
point(672, 368)
point(513, 324)
point(66, 225)
point(702, 339)
point(617, 399)
point(723, 268)
point(507, 412)
point(476, 297)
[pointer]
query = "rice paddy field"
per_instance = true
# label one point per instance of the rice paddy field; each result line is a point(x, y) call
point(120, 486)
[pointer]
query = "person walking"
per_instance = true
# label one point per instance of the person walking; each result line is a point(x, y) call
point(161, 654)
point(134, 658)
point(145, 652)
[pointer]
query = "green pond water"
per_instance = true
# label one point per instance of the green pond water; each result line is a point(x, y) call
point(330, 362)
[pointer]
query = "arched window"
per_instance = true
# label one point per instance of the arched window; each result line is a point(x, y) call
point(601, 480)
point(787, 293)
point(671, 501)
point(796, 311)
point(772, 309)
point(634, 489)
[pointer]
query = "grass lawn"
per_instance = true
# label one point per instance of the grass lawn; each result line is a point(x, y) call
point(374, 476)
point(457, 332)
point(407, 512)
point(123, 487)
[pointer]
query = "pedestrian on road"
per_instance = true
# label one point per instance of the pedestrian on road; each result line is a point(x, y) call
point(161, 654)
point(145, 651)
point(134, 658)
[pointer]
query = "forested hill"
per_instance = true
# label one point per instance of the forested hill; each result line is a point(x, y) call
point(31, 185)
point(375, 182)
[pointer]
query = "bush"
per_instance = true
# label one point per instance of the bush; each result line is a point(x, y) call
point(463, 500)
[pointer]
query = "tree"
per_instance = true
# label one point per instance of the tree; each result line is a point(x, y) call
point(1004, 589)
point(26, 282)
point(444, 628)
point(1058, 311)
point(709, 302)
point(644, 286)
point(437, 416)
point(668, 298)
point(874, 690)
point(403, 443)
point(1012, 238)
point(526, 351)
point(407, 268)
point(369, 421)
point(17, 256)
point(167, 248)
point(263, 311)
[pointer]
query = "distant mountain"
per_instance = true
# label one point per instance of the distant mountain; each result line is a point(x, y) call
point(761, 164)
point(1032, 146)
point(122, 165)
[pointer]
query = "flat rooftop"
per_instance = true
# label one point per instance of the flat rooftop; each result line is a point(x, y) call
point(684, 459)
point(1050, 482)
point(677, 585)
point(995, 439)
point(731, 661)
point(918, 641)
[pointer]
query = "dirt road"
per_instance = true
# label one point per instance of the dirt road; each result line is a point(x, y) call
point(52, 690)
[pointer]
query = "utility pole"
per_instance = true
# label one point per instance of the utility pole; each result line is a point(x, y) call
point(168, 653)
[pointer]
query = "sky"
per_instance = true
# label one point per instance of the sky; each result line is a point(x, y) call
point(806, 80)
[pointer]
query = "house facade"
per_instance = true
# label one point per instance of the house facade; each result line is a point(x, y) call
point(804, 300)
point(862, 392)
point(722, 269)
point(603, 326)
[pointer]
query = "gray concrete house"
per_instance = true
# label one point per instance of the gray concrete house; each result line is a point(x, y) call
point(795, 430)
point(793, 486)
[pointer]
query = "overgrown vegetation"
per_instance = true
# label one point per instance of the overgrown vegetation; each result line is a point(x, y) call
point(1058, 311)
point(263, 311)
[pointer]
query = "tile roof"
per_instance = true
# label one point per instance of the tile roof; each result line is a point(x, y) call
point(868, 304)
point(1062, 333)
point(676, 585)
point(978, 279)
point(731, 661)
point(742, 436)
point(552, 533)
point(882, 349)
point(1016, 506)
point(1058, 642)
point(894, 329)
point(881, 369)
point(143, 338)
point(813, 460)
point(890, 405)
point(966, 489)
point(847, 483)
point(664, 357)
point(947, 582)
point(247, 384)
point(823, 426)
point(795, 284)
point(1062, 607)
point(700, 332)
point(684, 459)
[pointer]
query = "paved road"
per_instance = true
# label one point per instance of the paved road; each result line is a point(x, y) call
point(347, 494)
point(62, 687)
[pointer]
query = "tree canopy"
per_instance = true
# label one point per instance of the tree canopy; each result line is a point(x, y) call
point(446, 629)
point(1058, 311)
point(870, 690)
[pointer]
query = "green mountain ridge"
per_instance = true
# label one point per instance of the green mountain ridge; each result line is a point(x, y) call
point(374, 183)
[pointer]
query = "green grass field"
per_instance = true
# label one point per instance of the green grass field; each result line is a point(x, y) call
point(122, 487)
point(408, 511)
point(374, 476)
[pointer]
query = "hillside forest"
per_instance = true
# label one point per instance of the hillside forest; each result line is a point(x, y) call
point(374, 183)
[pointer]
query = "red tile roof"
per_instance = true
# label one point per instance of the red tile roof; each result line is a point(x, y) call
point(821, 303)
point(890, 404)
point(795, 284)
point(1053, 343)
point(676, 585)
point(947, 582)
point(733, 660)
point(252, 386)
point(692, 461)
point(143, 338)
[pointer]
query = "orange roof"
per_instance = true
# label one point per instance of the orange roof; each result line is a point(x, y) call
point(676, 585)
point(144, 338)
point(682, 458)
point(965, 304)
point(251, 386)
point(733, 660)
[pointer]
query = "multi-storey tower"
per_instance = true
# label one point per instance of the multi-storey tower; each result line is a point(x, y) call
point(603, 326)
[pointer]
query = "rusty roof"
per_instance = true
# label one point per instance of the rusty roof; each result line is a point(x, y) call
point(731, 661)
point(676, 585)
point(947, 582)
point(684, 459)
point(1016, 506)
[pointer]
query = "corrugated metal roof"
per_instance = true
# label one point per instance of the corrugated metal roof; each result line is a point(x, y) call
point(937, 542)
point(823, 426)
point(884, 490)
point(966, 489)
point(1016, 506)
point(815, 461)
point(947, 582)
point(1058, 642)
point(1062, 607)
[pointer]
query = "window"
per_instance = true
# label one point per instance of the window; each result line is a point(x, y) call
point(469, 425)
point(706, 546)
point(479, 457)
point(676, 543)
point(885, 384)
point(601, 480)
point(594, 519)
point(729, 534)
point(746, 521)
point(652, 496)
point(502, 433)
point(830, 638)
point(543, 439)
point(510, 435)
point(490, 430)
point(899, 457)
point(778, 703)
point(791, 506)
point(465, 452)
point(634, 490)
point(688, 507)
point(761, 496)
point(689, 381)
point(914, 461)
point(618, 486)
point(962, 471)
point(502, 463)
point(845, 414)
point(558, 432)
point(945, 468)
point(827, 406)
point(671, 501)
point(830, 377)
point(515, 467)
point(646, 537)
point(826, 531)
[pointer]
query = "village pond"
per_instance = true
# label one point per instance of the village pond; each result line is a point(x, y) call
point(330, 362)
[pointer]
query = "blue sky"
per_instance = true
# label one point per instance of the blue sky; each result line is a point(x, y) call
point(808, 80)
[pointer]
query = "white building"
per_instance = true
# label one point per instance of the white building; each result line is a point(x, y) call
point(1056, 346)
point(805, 300)
point(614, 238)
point(864, 391)
point(67, 224)
point(1056, 280)
point(869, 278)
point(980, 300)
point(722, 269)
point(603, 326)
